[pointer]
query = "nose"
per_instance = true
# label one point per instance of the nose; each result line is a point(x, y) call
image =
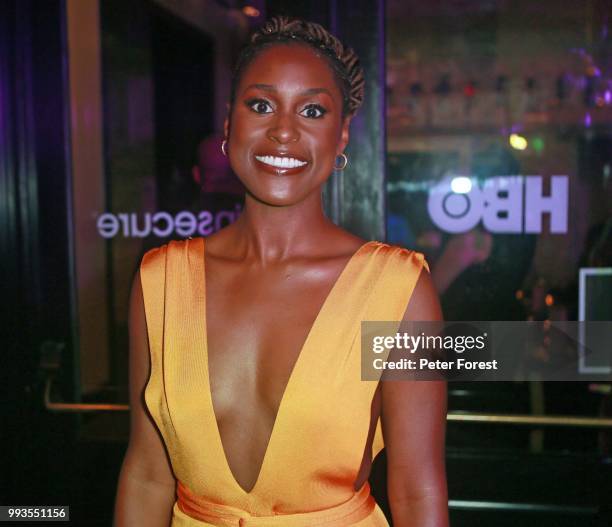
point(283, 130)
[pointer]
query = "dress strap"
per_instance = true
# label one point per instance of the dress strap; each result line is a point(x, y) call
point(400, 271)
point(153, 281)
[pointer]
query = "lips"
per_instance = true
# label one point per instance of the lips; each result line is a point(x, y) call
point(281, 163)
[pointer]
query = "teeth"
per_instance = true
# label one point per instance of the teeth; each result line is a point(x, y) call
point(281, 162)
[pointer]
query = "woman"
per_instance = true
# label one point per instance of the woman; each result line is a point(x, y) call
point(259, 416)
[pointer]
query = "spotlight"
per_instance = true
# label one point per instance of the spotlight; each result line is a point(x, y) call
point(251, 11)
point(518, 142)
point(461, 185)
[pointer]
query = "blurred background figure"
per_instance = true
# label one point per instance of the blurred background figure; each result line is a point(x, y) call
point(460, 252)
point(212, 171)
point(213, 194)
point(221, 192)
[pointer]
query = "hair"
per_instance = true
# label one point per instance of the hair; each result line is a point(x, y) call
point(284, 30)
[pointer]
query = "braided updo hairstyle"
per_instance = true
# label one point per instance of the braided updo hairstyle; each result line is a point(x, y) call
point(284, 30)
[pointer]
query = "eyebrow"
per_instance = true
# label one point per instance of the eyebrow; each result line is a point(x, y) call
point(309, 91)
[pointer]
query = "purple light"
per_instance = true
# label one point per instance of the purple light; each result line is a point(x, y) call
point(587, 120)
point(608, 96)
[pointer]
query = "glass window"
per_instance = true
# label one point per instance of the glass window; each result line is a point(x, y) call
point(499, 170)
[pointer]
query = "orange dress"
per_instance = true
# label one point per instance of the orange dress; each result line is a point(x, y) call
point(319, 435)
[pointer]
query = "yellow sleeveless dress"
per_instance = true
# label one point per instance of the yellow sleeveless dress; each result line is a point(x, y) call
point(319, 435)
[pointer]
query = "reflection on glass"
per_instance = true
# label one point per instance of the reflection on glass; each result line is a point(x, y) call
point(500, 151)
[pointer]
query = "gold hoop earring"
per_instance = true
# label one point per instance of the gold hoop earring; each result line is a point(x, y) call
point(224, 147)
point(344, 162)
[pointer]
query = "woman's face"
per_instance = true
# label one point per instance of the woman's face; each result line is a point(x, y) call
point(286, 124)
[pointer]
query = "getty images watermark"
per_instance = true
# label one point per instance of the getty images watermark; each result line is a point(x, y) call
point(487, 351)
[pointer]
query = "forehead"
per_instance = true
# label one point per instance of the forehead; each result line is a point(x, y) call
point(291, 67)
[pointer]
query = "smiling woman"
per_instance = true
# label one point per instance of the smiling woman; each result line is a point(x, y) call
point(288, 108)
point(257, 414)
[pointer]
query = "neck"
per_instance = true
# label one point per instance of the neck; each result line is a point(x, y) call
point(270, 233)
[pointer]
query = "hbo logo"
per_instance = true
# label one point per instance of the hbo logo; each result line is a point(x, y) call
point(511, 204)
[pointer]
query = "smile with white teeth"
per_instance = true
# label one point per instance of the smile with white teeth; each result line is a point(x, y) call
point(281, 162)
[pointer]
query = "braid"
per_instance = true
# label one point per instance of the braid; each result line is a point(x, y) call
point(343, 60)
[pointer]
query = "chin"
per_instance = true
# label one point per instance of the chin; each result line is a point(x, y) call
point(278, 198)
point(274, 200)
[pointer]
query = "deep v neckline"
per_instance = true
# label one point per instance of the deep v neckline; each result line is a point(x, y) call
point(295, 370)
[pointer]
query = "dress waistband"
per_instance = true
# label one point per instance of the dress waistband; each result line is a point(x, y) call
point(358, 507)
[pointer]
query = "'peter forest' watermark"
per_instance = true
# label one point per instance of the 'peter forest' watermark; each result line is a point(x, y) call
point(416, 344)
point(487, 351)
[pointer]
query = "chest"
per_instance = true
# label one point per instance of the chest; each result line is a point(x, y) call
point(257, 323)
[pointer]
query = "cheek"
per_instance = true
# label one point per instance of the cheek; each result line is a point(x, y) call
point(325, 142)
point(242, 134)
point(236, 131)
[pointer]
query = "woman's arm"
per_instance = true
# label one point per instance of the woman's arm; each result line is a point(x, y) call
point(414, 422)
point(146, 488)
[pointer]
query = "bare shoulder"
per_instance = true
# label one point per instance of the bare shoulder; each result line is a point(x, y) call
point(346, 244)
point(424, 303)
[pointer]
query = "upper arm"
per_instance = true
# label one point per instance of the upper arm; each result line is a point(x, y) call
point(146, 456)
point(414, 418)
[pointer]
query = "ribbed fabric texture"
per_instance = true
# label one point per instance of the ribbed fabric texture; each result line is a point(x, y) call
point(317, 443)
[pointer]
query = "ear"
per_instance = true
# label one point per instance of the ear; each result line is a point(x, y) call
point(344, 134)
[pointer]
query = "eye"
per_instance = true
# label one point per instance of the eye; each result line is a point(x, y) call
point(313, 111)
point(259, 106)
